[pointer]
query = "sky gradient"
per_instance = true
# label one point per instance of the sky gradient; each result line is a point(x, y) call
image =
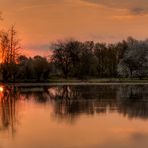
point(40, 22)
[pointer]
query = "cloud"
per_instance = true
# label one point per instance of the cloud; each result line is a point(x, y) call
point(138, 11)
point(134, 7)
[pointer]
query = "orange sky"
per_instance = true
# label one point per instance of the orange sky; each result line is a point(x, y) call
point(40, 22)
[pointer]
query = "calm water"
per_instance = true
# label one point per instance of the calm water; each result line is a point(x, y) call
point(74, 117)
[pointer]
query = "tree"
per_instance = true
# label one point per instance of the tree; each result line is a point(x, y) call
point(135, 59)
point(29, 69)
point(87, 64)
point(106, 55)
point(41, 67)
point(9, 53)
point(66, 56)
point(22, 62)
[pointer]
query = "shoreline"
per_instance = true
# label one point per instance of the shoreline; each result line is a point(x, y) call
point(78, 82)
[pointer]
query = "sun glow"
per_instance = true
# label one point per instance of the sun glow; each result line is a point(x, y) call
point(1, 89)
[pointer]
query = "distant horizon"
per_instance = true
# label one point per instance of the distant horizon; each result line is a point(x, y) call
point(36, 49)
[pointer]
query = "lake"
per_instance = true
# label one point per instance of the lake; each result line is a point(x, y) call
point(74, 116)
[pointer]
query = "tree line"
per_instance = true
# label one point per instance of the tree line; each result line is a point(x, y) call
point(128, 58)
point(74, 59)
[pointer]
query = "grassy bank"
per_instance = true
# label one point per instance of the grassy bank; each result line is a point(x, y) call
point(103, 80)
point(76, 81)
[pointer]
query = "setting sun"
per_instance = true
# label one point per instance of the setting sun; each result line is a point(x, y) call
point(1, 89)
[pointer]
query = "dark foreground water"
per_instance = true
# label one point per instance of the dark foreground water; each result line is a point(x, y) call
point(110, 116)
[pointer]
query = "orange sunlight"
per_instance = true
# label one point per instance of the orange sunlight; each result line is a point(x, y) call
point(1, 89)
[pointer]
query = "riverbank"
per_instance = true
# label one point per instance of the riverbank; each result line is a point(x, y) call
point(103, 80)
point(113, 81)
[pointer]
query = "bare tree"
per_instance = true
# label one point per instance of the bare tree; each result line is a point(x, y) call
point(9, 46)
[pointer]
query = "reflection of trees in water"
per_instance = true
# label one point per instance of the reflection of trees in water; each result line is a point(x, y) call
point(8, 110)
point(70, 101)
point(133, 101)
point(38, 95)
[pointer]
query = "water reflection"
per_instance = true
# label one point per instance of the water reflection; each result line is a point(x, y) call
point(8, 97)
point(70, 102)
